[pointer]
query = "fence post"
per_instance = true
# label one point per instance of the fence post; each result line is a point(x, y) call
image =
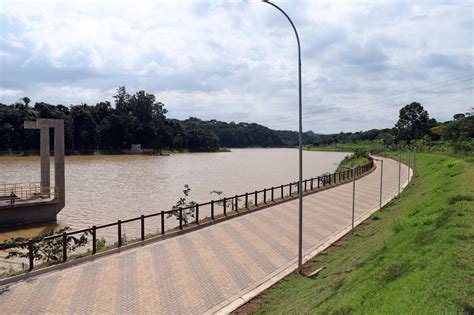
point(291, 188)
point(272, 194)
point(142, 225)
point(119, 232)
point(197, 214)
point(256, 199)
point(162, 222)
point(305, 184)
point(225, 206)
point(264, 195)
point(281, 189)
point(94, 240)
point(30, 253)
point(319, 179)
point(246, 200)
point(180, 218)
point(414, 160)
point(312, 183)
point(381, 181)
point(399, 171)
point(236, 203)
point(64, 246)
point(408, 168)
point(212, 209)
point(353, 199)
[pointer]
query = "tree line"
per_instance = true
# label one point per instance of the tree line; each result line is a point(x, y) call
point(414, 127)
point(134, 119)
point(141, 119)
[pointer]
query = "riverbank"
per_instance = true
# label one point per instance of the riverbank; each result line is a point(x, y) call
point(99, 152)
point(414, 256)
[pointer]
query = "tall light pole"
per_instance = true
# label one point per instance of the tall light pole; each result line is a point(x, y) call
point(381, 181)
point(300, 142)
point(353, 194)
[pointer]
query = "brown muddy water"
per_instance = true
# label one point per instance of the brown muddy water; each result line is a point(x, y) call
point(103, 189)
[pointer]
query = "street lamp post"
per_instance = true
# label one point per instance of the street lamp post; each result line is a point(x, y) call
point(399, 171)
point(381, 180)
point(300, 142)
point(409, 165)
point(353, 194)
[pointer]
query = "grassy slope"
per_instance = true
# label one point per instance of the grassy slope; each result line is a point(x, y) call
point(352, 161)
point(415, 256)
point(348, 147)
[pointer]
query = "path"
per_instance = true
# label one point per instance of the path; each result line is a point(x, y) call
point(201, 271)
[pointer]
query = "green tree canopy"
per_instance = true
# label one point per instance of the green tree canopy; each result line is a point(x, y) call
point(413, 122)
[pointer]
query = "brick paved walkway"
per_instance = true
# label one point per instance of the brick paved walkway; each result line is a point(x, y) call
point(197, 272)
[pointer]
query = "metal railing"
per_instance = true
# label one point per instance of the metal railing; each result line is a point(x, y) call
point(219, 209)
point(26, 192)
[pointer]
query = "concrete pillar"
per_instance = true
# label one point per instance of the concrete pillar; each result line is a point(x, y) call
point(59, 174)
point(44, 150)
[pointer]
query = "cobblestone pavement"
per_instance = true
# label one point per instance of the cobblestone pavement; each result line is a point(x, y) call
point(195, 272)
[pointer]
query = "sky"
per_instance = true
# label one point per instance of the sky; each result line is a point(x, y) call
point(237, 60)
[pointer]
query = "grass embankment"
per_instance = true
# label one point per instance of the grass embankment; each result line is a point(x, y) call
point(415, 256)
point(352, 161)
point(367, 146)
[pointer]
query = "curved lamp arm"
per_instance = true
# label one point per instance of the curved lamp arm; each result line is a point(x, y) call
point(300, 143)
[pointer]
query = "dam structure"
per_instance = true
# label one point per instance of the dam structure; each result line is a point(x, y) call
point(29, 203)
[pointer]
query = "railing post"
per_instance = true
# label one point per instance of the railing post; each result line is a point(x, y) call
point(381, 181)
point(212, 210)
point(353, 199)
point(119, 232)
point(30, 253)
point(197, 214)
point(246, 200)
point(399, 172)
point(312, 183)
point(272, 194)
point(408, 168)
point(305, 184)
point(142, 227)
point(291, 188)
point(264, 195)
point(225, 206)
point(180, 218)
point(236, 203)
point(281, 189)
point(319, 179)
point(94, 240)
point(162, 222)
point(256, 198)
point(64, 246)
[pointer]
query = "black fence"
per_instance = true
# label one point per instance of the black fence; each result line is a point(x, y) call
point(218, 209)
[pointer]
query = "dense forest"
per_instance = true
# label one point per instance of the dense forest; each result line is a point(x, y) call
point(141, 119)
point(137, 118)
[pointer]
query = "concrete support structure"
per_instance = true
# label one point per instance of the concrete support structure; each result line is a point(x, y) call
point(44, 208)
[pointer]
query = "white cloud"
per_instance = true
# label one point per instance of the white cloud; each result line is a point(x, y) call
point(236, 60)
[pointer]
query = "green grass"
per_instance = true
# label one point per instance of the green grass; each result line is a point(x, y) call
point(415, 256)
point(352, 161)
point(369, 146)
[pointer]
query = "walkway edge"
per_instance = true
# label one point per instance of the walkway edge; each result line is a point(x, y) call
point(236, 301)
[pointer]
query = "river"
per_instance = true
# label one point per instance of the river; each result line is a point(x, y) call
point(102, 189)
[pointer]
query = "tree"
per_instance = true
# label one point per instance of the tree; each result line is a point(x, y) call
point(413, 122)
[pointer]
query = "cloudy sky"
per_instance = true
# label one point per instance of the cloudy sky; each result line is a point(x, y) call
point(237, 60)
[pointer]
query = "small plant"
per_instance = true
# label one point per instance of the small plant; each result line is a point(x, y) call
point(182, 203)
point(376, 216)
point(44, 251)
point(100, 243)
